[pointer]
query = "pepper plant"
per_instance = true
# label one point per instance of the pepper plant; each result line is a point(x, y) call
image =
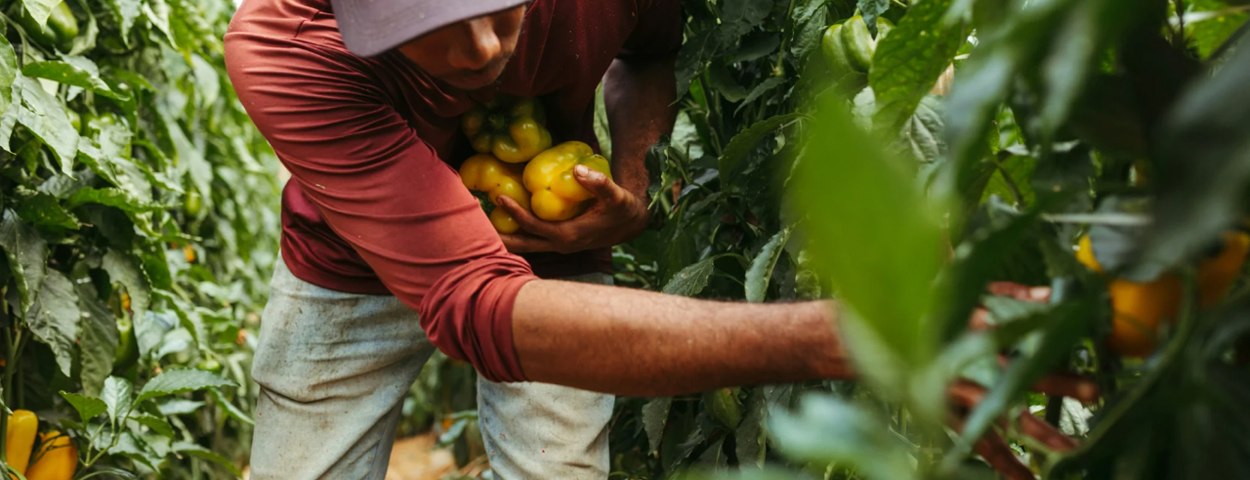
point(138, 220)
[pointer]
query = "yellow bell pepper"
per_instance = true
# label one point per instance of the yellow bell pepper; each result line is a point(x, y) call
point(512, 130)
point(485, 173)
point(57, 458)
point(1140, 307)
point(19, 439)
point(549, 176)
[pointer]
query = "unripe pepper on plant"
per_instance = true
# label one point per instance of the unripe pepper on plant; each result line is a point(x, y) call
point(1140, 307)
point(485, 173)
point(849, 46)
point(60, 31)
point(57, 458)
point(723, 406)
point(512, 130)
point(19, 439)
point(549, 176)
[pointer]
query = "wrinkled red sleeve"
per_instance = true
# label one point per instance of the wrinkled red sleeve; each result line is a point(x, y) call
point(385, 192)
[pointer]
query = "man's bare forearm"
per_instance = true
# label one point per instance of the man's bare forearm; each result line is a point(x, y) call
point(639, 343)
point(639, 97)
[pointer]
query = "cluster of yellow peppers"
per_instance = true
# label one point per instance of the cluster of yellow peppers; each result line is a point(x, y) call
point(1141, 307)
point(56, 458)
point(515, 159)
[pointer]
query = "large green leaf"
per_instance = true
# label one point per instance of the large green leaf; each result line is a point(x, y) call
point(54, 316)
point(27, 255)
point(87, 407)
point(827, 431)
point(655, 419)
point(98, 339)
point(761, 270)
point(868, 228)
point(870, 10)
point(118, 394)
point(692, 279)
point(122, 268)
point(744, 142)
point(8, 75)
point(910, 59)
point(1203, 162)
point(171, 382)
point(45, 211)
point(45, 116)
point(71, 70)
point(125, 12)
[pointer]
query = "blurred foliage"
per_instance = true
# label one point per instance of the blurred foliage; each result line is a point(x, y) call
point(139, 225)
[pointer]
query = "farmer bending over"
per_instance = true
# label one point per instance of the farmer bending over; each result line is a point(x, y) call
point(386, 255)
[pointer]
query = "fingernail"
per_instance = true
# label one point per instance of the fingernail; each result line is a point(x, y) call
point(581, 171)
point(1039, 293)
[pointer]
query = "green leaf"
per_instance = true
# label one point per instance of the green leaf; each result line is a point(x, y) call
point(8, 75)
point(810, 20)
point(158, 13)
point(868, 227)
point(745, 141)
point(871, 9)
point(827, 430)
point(122, 268)
point(27, 255)
point(691, 280)
point(124, 13)
point(204, 453)
point(40, 10)
point(921, 137)
point(111, 197)
point(53, 318)
point(230, 409)
point(172, 382)
point(45, 116)
point(117, 394)
point(691, 59)
point(157, 424)
point(759, 90)
point(98, 339)
point(45, 211)
point(207, 80)
point(87, 407)
point(655, 419)
point(179, 407)
point(756, 46)
point(71, 70)
point(761, 270)
point(738, 17)
point(910, 59)
point(1203, 162)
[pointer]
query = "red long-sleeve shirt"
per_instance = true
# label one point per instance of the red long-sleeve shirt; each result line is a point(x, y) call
point(374, 206)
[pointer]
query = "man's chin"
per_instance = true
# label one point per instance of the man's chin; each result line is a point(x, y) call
point(473, 81)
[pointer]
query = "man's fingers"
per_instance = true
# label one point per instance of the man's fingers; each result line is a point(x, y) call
point(980, 320)
point(1045, 433)
point(602, 187)
point(1020, 292)
point(523, 216)
point(1068, 385)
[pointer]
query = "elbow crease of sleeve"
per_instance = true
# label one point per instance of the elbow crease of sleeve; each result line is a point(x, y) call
point(467, 314)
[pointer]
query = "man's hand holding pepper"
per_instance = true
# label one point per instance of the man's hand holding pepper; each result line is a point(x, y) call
point(616, 215)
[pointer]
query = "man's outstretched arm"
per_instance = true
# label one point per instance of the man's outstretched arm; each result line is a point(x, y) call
point(639, 343)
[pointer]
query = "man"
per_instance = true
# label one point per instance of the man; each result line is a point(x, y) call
point(361, 101)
